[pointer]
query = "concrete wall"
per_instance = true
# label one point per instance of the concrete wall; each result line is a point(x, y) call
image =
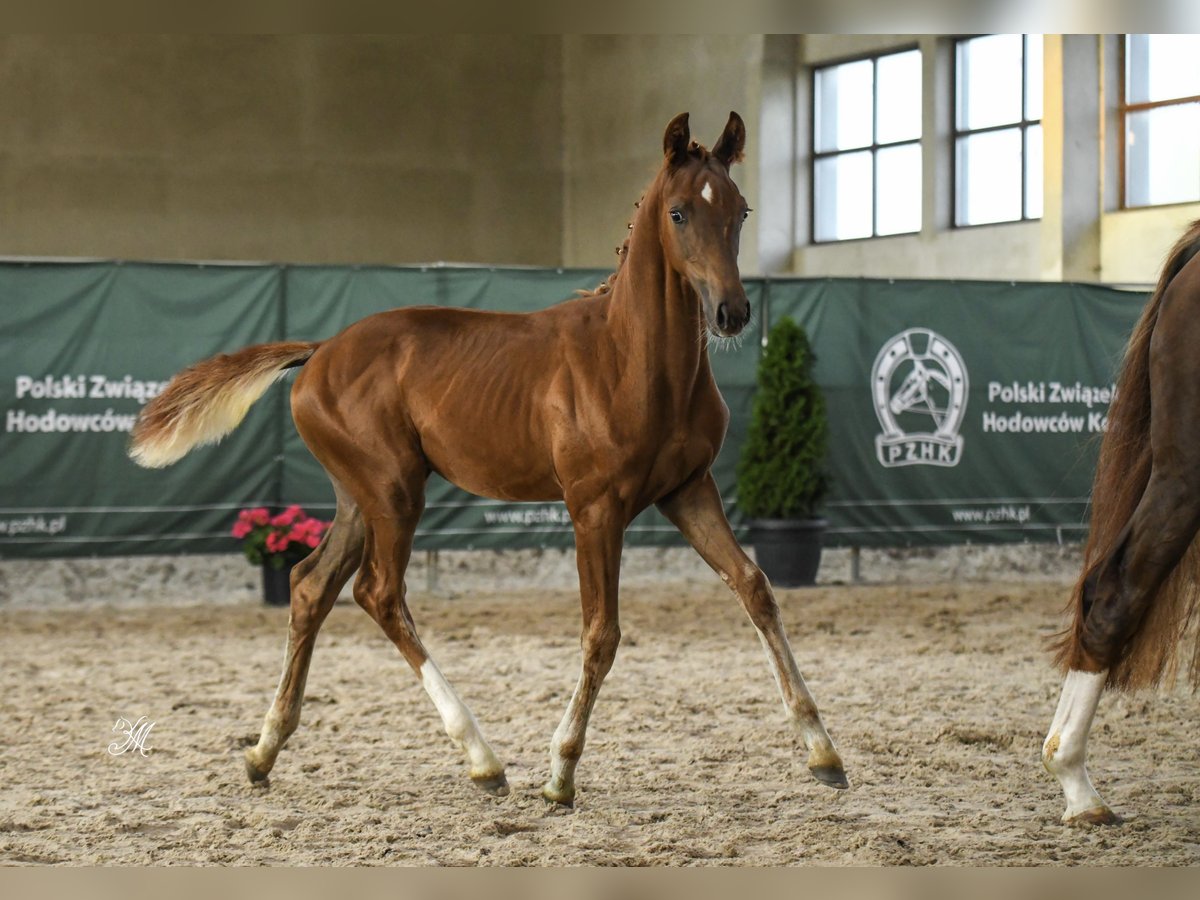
point(298, 148)
point(529, 150)
point(1134, 242)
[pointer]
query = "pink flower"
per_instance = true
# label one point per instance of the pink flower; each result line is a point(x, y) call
point(291, 531)
point(288, 516)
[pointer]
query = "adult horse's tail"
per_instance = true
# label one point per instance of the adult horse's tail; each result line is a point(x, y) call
point(1122, 473)
point(205, 402)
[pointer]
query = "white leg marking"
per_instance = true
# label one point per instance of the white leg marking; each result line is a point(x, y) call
point(707, 193)
point(811, 729)
point(562, 769)
point(460, 723)
point(823, 759)
point(1065, 751)
point(275, 728)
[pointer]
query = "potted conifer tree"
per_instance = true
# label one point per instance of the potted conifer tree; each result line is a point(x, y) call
point(781, 474)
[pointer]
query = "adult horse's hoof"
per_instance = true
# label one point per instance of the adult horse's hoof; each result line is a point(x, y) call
point(496, 785)
point(561, 796)
point(253, 772)
point(1097, 815)
point(833, 776)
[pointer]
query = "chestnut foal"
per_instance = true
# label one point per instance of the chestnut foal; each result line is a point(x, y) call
point(606, 402)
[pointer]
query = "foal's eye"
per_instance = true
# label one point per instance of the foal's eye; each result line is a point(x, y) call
point(676, 217)
point(746, 214)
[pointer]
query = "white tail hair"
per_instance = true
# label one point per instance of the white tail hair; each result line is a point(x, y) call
point(207, 401)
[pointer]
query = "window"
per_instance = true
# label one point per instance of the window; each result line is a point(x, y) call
point(866, 173)
point(1160, 119)
point(997, 129)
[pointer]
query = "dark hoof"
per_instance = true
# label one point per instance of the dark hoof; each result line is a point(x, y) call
point(833, 776)
point(1097, 815)
point(253, 772)
point(563, 798)
point(496, 785)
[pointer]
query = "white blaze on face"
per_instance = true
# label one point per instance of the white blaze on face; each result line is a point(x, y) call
point(707, 192)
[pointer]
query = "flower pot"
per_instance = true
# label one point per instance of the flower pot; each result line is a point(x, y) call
point(277, 585)
point(788, 550)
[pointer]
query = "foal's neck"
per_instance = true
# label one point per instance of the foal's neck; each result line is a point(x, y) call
point(654, 313)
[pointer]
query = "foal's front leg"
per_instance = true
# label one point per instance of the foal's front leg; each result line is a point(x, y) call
point(696, 510)
point(599, 533)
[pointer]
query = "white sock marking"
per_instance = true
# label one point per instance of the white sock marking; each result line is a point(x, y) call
point(460, 723)
point(1065, 751)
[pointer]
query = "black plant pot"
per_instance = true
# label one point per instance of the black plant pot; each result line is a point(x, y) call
point(788, 550)
point(277, 585)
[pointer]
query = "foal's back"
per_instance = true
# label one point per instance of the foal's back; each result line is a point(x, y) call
point(482, 396)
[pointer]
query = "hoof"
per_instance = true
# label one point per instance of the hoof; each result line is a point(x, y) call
point(561, 796)
point(253, 772)
point(496, 785)
point(1097, 815)
point(833, 776)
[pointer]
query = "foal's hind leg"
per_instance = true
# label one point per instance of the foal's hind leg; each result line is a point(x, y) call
point(316, 581)
point(380, 590)
point(696, 510)
point(1161, 530)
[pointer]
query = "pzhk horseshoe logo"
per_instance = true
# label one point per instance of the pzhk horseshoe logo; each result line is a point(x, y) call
point(919, 387)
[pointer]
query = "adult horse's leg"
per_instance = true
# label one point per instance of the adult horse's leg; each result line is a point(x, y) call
point(1131, 616)
point(696, 510)
point(599, 534)
point(380, 590)
point(1161, 530)
point(1064, 752)
point(316, 581)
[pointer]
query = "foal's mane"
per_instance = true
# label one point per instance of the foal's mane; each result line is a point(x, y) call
point(607, 284)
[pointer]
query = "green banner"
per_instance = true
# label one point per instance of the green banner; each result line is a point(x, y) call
point(84, 347)
point(959, 411)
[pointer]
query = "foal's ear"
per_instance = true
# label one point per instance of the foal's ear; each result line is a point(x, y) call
point(676, 139)
point(732, 141)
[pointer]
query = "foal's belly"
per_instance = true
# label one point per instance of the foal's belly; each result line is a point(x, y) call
point(498, 483)
point(492, 461)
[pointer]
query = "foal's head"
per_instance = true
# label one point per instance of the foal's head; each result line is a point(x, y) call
point(702, 212)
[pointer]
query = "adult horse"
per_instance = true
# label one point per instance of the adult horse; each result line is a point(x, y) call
point(606, 402)
point(1137, 593)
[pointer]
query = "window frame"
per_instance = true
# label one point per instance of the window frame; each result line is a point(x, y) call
point(874, 147)
point(1124, 107)
point(1024, 124)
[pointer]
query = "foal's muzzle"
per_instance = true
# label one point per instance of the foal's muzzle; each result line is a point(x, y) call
point(730, 316)
point(730, 321)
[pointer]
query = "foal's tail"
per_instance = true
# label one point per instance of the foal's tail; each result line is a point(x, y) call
point(1122, 473)
point(204, 403)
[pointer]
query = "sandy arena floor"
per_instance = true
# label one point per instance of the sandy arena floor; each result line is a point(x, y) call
point(936, 695)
